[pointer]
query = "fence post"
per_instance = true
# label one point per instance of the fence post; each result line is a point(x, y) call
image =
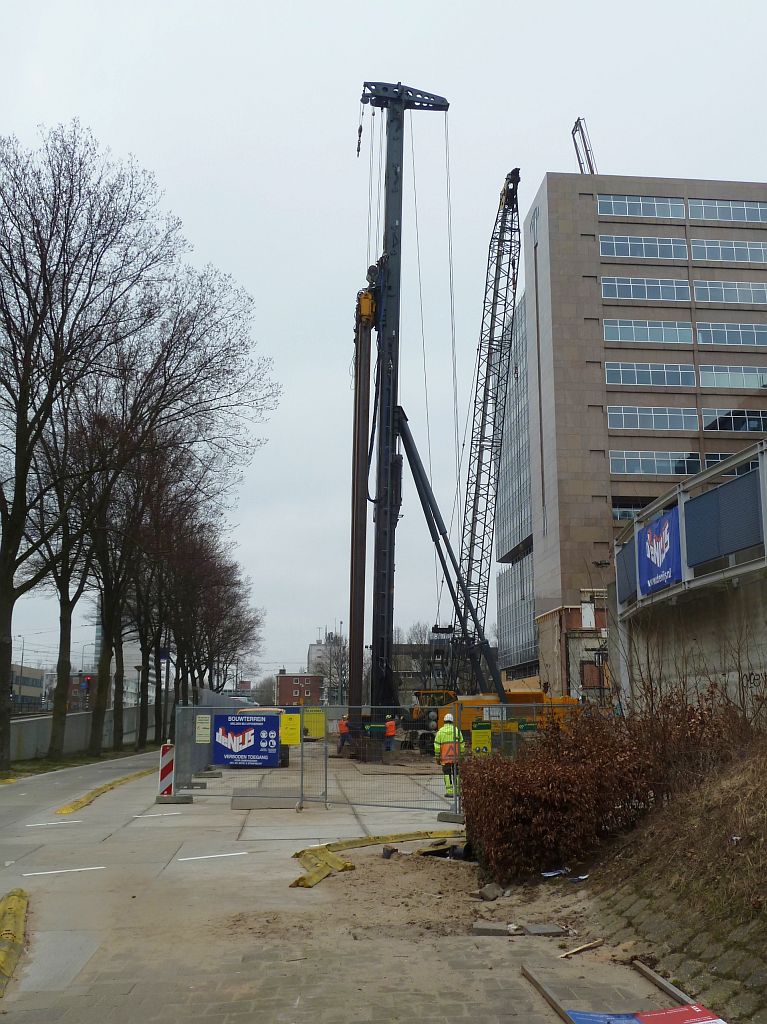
point(326, 731)
point(300, 806)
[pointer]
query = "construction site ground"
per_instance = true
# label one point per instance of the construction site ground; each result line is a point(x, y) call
point(142, 913)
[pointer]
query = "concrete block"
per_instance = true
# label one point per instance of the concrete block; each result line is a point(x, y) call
point(545, 929)
point(177, 798)
point(198, 785)
point(490, 928)
point(491, 891)
point(209, 773)
point(262, 803)
point(457, 819)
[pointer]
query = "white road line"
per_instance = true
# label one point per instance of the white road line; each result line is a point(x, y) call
point(163, 814)
point(40, 824)
point(61, 871)
point(210, 856)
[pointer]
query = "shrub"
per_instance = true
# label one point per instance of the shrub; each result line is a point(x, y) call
point(573, 786)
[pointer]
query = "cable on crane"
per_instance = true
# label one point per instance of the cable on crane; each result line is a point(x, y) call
point(452, 297)
point(423, 338)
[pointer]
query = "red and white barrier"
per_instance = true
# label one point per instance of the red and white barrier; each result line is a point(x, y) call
point(167, 768)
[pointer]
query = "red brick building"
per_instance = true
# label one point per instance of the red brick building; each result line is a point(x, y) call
point(298, 688)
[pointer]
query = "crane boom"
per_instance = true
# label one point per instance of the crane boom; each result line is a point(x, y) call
point(493, 358)
point(583, 151)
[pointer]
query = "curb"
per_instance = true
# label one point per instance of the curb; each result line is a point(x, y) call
point(83, 801)
point(13, 916)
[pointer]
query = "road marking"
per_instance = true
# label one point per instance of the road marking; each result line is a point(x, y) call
point(40, 824)
point(61, 871)
point(163, 814)
point(210, 856)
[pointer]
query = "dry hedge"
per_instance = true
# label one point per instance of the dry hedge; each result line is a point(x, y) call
point(572, 787)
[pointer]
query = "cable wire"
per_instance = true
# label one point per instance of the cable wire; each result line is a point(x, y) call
point(423, 340)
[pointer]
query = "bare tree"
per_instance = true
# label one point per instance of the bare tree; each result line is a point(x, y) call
point(80, 236)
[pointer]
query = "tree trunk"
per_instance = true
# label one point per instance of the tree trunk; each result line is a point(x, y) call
point(176, 691)
point(185, 684)
point(159, 732)
point(7, 602)
point(143, 706)
point(63, 675)
point(119, 702)
point(101, 698)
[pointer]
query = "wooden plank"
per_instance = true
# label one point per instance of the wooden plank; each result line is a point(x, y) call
point(547, 994)
point(665, 986)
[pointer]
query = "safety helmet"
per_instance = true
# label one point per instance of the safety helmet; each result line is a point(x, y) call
point(388, 718)
point(448, 717)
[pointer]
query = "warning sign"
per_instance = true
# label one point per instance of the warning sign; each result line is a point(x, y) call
point(202, 728)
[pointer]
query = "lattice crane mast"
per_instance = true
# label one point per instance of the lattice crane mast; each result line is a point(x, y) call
point(493, 358)
point(583, 150)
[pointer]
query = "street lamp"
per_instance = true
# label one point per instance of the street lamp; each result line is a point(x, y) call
point(20, 636)
point(82, 654)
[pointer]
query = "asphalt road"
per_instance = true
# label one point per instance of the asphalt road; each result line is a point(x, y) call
point(38, 796)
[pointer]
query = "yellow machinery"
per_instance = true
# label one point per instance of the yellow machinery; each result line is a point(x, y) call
point(525, 711)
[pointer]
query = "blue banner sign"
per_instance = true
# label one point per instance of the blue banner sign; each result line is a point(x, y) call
point(659, 553)
point(246, 741)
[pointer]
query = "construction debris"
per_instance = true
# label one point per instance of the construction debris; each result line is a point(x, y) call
point(581, 949)
point(321, 861)
point(545, 929)
point(491, 891)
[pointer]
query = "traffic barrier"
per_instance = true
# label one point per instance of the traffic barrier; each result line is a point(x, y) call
point(13, 914)
point(167, 770)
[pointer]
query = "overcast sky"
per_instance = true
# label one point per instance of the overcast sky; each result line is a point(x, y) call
point(247, 112)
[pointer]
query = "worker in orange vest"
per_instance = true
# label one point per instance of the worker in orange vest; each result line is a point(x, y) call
point(343, 732)
point(390, 730)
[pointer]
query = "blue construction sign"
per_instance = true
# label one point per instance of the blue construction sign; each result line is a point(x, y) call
point(246, 740)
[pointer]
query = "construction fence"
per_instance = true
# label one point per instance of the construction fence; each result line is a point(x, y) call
point(376, 757)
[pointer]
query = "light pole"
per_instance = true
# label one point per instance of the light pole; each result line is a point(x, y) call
point(21, 637)
point(82, 654)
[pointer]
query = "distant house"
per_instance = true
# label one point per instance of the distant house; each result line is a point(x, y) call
point(298, 688)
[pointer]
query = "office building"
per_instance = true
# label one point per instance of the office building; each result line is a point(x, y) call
point(646, 321)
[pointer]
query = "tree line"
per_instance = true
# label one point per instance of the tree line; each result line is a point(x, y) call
point(129, 383)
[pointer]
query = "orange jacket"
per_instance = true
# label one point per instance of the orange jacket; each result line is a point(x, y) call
point(343, 726)
point(391, 728)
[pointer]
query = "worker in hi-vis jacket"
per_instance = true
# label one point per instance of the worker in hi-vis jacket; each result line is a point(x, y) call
point(448, 747)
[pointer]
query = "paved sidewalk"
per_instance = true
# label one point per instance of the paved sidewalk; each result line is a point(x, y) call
point(147, 918)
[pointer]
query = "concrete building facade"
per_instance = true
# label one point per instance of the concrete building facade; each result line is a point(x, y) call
point(646, 320)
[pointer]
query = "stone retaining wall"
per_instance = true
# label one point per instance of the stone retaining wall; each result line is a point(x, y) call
point(725, 971)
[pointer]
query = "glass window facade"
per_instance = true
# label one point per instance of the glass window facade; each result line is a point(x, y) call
point(748, 420)
point(640, 206)
point(656, 289)
point(728, 209)
point(627, 508)
point(733, 252)
point(720, 376)
point(664, 375)
point(513, 516)
point(651, 417)
point(643, 247)
point(714, 458)
point(663, 332)
point(517, 642)
point(731, 334)
point(751, 292)
point(654, 463)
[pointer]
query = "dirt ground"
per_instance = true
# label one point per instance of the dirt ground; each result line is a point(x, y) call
point(420, 896)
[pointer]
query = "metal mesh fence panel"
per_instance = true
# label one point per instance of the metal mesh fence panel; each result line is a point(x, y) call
point(377, 757)
point(250, 753)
